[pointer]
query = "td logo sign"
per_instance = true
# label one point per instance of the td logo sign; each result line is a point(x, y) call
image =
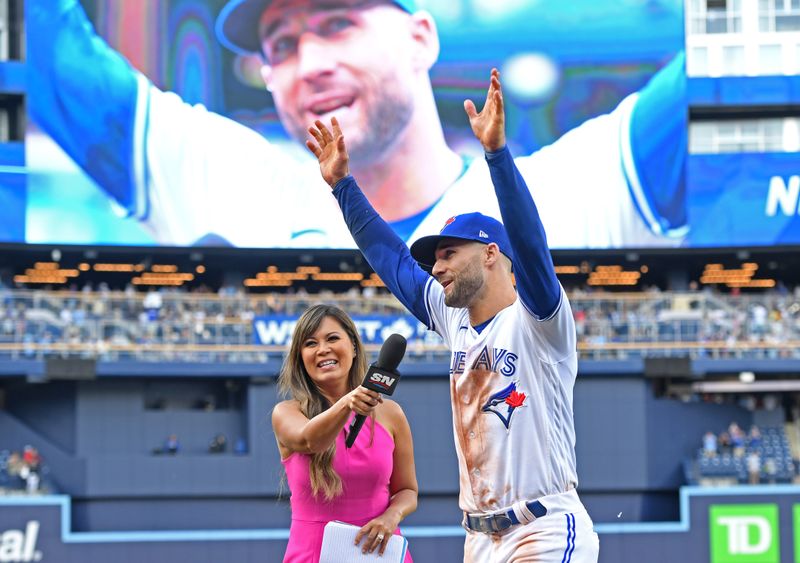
point(744, 533)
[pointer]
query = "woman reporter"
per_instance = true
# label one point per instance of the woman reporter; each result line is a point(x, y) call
point(373, 484)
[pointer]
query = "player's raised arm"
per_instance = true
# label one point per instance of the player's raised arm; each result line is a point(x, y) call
point(157, 156)
point(83, 93)
point(537, 284)
point(655, 165)
point(384, 250)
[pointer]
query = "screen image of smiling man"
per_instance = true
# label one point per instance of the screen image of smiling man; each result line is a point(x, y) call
point(367, 63)
point(190, 175)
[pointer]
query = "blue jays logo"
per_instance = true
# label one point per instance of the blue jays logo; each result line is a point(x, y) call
point(503, 403)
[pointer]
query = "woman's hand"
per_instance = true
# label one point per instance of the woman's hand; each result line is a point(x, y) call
point(362, 400)
point(376, 532)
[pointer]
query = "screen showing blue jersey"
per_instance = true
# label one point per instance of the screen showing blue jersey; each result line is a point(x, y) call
point(146, 130)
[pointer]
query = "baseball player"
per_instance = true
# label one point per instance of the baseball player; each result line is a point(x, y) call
point(514, 359)
point(191, 176)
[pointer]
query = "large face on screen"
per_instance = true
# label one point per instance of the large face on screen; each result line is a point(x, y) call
point(348, 58)
point(393, 77)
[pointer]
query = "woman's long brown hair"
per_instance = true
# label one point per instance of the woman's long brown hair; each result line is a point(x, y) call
point(295, 382)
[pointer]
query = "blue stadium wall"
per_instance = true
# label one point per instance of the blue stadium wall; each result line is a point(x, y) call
point(755, 524)
point(97, 437)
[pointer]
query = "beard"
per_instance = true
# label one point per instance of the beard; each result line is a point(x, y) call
point(386, 114)
point(466, 286)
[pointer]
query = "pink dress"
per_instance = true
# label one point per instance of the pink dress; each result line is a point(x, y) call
point(365, 471)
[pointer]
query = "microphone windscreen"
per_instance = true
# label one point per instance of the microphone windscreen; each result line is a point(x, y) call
point(391, 352)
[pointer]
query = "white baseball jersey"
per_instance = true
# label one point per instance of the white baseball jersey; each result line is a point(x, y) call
point(511, 391)
point(511, 378)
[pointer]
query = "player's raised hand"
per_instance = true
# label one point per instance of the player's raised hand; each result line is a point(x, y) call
point(489, 125)
point(328, 146)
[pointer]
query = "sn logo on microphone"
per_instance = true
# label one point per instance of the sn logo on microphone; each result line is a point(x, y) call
point(382, 380)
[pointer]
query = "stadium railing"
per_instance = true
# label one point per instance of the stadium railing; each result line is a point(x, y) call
point(169, 325)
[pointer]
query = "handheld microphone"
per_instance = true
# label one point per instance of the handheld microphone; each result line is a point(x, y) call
point(382, 377)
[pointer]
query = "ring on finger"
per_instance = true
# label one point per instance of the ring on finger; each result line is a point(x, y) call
point(379, 537)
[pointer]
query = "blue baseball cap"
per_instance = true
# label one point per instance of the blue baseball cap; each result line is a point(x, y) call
point(237, 23)
point(475, 227)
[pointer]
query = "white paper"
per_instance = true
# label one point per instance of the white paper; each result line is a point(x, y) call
point(338, 546)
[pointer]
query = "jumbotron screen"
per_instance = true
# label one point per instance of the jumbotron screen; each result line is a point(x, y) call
point(182, 122)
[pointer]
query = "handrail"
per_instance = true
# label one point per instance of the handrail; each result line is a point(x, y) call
point(169, 295)
point(586, 350)
point(271, 348)
point(111, 324)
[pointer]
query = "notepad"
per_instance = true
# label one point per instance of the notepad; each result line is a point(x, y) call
point(338, 546)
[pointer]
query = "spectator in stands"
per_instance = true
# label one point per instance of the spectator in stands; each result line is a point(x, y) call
point(172, 445)
point(322, 377)
point(748, 402)
point(31, 478)
point(240, 447)
point(758, 318)
point(207, 402)
point(737, 439)
point(754, 438)
point(771, 470)
point(771, 402)
point(14, 469)
point(152, 305)
point(710, 444)
point(581, 321)
point(218, 444)
point(724, 443)
point(27, 468)
point(30, 456)
point(753, 468)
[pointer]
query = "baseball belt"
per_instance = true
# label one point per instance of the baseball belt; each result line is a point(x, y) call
point(503, 520)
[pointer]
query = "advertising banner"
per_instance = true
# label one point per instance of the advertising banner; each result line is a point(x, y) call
point(276, 330)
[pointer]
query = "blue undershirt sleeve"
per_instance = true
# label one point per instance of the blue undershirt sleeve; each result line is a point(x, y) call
point(384, 250)
point(537, 284)
point(84, 95)
point(654, 150)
